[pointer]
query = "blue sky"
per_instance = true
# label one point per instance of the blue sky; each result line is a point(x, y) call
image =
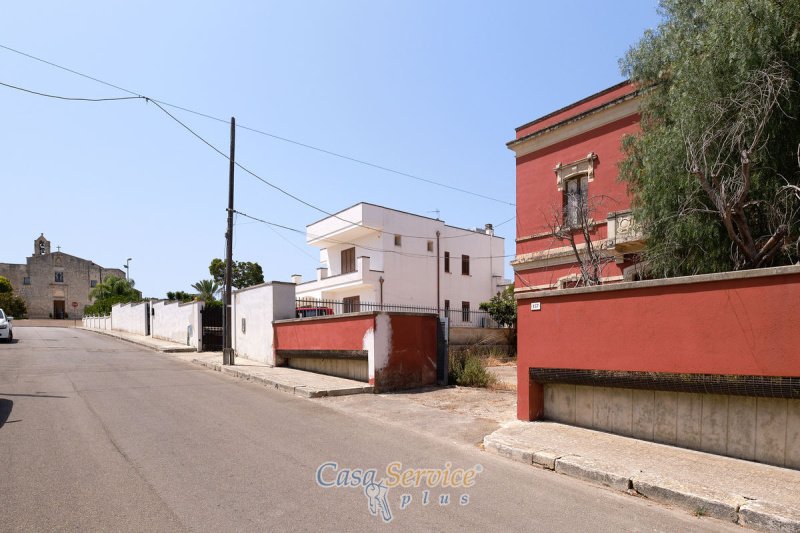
point(430, 88)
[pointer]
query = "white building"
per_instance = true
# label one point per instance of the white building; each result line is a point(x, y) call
point(372, 254)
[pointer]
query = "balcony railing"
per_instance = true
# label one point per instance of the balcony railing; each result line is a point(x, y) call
point(468, 318)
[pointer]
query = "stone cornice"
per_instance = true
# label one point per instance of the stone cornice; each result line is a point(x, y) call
point(592, 119)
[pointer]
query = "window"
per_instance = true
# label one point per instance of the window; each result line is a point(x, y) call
point(348, 260)
point(465, 311)
point(447, 261)
point(398, 240)
point(575, 202)
point(465, 265)
point(447, 308)
point(59, 277)
point(26, 281)
point(93, 283)
point(430, 246)
point(351, 304)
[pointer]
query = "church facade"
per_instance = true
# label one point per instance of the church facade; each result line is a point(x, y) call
point(55, 284)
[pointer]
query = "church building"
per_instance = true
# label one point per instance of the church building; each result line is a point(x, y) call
point(55, 284)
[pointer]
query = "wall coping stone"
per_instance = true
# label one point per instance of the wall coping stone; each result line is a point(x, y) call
point(666, 282)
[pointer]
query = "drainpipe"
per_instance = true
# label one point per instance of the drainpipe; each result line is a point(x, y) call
point(381, 280)
point(438, 256)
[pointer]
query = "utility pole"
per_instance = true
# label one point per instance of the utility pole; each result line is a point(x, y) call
point(228, 357)
point(438, 300)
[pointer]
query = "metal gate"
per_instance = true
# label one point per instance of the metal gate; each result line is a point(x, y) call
point(147, 319)
point(212, 329)
point(442, 355)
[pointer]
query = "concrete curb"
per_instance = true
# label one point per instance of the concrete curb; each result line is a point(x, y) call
point(299, 390)
point(151, 345)
point(755, 514)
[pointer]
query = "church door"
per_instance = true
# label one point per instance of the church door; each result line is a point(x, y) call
point(58, 308)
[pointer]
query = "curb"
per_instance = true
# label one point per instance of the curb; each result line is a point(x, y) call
point(299, 390)
point(755, 514)
point(162, 349)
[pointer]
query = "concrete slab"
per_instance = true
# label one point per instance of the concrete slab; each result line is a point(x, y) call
point(291, 380)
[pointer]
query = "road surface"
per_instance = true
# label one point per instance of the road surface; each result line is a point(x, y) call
point(100, 435)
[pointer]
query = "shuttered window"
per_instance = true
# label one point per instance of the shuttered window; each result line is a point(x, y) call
point(348, 260)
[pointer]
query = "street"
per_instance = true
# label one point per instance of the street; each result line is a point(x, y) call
point(100, 435)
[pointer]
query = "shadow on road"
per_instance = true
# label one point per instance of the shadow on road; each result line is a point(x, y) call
point(5, 410)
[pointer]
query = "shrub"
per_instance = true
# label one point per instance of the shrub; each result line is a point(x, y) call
point(467, 370)
point(13, 305)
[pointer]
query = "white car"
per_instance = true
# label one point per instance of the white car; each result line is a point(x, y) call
point(6, 332)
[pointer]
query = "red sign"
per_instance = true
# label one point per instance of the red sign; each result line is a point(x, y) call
point(74, 304)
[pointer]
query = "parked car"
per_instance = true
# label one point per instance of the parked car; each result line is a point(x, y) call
point(6, 332)
point(304, 312)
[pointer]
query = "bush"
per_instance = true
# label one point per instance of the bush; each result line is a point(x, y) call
point(13, 305)
point(467, 370)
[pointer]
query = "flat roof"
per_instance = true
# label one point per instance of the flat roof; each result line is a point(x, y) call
point(480, 232)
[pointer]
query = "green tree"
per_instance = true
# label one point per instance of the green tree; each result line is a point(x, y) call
point(5, 285)
point(112, 290)
point(714, 172)
point(502, 307)
point(243, 273)
point(180, 296)
point(12, 304)
point(207, 290)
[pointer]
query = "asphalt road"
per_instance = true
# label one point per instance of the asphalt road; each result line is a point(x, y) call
point(100, 435)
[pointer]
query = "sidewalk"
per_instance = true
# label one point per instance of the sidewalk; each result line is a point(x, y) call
point(291, 380)
point(751, 494)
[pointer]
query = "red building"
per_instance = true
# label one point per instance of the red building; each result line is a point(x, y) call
point(567, 162)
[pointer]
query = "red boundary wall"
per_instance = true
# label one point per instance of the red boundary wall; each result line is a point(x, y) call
point(742, 323)
point(324, 333)
point(402, 348)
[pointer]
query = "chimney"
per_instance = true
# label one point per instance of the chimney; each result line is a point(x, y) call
point(489, 229)
point(297, 279)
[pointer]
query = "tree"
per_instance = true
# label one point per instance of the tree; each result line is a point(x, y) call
point(5, 285)
point(502, 307)
point(12, 304)
point(714, 173)
point(111, 291)
point(573, 222)
point(180, 296)
point(244, 273)
point(207, 290)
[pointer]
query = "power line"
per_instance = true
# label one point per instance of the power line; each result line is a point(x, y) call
point(78, 99)
point(224, 155)
point(265, 133)
point(407, 254)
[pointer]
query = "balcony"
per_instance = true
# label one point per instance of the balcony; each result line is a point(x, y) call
point(363, 276)
point(623, 231)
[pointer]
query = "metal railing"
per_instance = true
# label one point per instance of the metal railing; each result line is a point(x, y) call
point(470, 318)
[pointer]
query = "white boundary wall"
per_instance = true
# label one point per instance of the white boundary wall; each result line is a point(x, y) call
point(97, 322)
point(177, 322)
point(254, 309)
point(129, 318)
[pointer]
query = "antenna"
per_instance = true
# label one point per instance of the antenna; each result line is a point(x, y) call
point(434, 211)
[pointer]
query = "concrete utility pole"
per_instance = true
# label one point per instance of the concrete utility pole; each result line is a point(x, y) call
point(227, 350)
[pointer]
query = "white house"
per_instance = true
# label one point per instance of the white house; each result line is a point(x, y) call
point(377, 255)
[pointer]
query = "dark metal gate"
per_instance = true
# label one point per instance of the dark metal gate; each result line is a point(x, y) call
point(147, 319)
point(442, 356)
point(212, 329)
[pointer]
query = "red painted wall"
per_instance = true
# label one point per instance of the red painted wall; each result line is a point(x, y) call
point(538, 198)
point(738, 327)
point(412, 351)
point(412, 357)
point(324, 333)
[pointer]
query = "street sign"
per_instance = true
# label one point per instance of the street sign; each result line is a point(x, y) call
point(74, 305)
